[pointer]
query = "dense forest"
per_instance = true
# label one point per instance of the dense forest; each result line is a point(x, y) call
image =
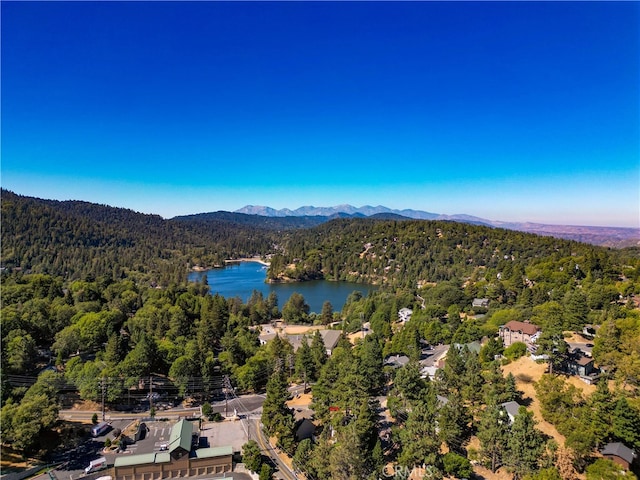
point(76, 239)
point(95, 297)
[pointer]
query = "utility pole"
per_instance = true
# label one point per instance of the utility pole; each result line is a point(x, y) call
point(226, 386)
point(290, 361)
point(150, 394)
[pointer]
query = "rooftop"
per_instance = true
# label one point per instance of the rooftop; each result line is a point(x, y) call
point(619, 450)
point(211, 452)
point(142, 459)
point(524, 327)
point(181, 436)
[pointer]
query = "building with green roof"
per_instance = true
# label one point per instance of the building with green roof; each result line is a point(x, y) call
point(180, 459)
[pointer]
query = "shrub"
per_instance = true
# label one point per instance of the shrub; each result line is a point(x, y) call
point(207, 410)
point(457, 465)
point(515, 351)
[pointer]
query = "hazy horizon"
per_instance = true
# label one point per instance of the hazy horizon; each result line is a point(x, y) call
point(508, 111)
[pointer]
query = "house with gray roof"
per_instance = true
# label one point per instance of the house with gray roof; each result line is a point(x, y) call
point(619, 453)
point(396, 361)
point(480, 303)
point(512, 409)
point(330, 339)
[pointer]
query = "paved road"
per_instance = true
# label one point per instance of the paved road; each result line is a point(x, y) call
point(85, 416)
point(243, 405)
point(283, 470)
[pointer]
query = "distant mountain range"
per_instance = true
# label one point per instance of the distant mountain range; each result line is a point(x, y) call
point(616, 237)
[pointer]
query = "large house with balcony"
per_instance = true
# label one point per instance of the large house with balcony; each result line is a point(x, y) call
point(515, 331)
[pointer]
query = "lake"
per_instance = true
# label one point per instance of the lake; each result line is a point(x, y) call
point(241, 279)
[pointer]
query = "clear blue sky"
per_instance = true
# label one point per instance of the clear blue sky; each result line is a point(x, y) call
point(508, 110)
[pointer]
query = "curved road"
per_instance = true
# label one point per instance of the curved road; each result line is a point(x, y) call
point(266, 447)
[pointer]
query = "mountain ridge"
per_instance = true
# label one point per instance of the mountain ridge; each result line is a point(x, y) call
point(615, 237)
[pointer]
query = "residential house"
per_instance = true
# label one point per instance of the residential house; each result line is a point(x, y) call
point(511, 409)
point(396, 361)
point(579, 364)
point(304, 429)
point(434, 360)
point(404, 315)
point(515, 331)
point(330, 339)
point(619, 453)
point(480, 303)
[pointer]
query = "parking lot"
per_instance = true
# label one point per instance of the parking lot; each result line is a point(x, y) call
point(156, 438)
point(229, 432)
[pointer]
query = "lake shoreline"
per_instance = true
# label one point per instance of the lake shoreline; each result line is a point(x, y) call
point(198, 268)
point(249, 259)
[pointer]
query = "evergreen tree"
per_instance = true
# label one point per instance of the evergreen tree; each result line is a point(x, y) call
point(252, 456)
point(493, 434)
point(305, 366)
point(371, 364)
point(277, 418)
point(453, 424)
point(347, 459)
point(327, 313)
point(318, 351)
point(471, 387)
point(303, 455)
point(525, 445)
point(600, 412)
point(626, 423)
point(418, 437)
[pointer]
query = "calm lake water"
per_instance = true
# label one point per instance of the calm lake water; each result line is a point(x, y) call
point(241, 279)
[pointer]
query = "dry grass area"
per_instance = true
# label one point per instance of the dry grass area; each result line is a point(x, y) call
point(300, 329)
point(527, 372)
point(303, 400)
point(87, 405)
point(353, 337)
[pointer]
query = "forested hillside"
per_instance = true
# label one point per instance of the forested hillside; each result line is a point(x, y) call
point(412, 253)
point(99, 295)
point(77, 239)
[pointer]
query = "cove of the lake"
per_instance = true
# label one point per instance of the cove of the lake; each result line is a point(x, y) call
point(242, 278)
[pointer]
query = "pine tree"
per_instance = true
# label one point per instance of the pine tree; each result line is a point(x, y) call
point(525, 445)
point(453, 424)
point(371, 364)
point(626, 423)
point(419, 440)
point(599, 404)
point(305, 366)
point(318, 351)
point(277, 418)
point(493, 434)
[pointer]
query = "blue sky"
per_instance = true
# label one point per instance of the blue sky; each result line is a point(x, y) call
point(509, 110)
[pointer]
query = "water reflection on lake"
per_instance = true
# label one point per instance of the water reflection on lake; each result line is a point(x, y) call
point(241, 279)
